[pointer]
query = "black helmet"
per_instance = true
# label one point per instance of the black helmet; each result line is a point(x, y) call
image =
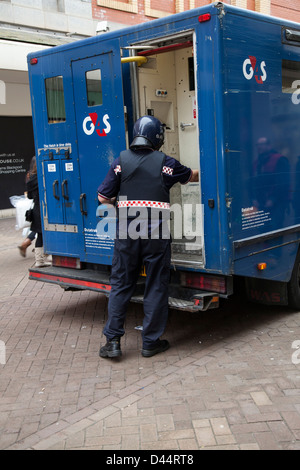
point(148, 132)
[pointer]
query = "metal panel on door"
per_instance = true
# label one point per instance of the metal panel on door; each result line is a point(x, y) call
point(54, 202)
point(69, 193)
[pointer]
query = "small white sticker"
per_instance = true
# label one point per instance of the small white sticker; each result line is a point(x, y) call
point(69, 166)
point(51, 167)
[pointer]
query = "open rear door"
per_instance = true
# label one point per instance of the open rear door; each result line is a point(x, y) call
point(167, 90)
point(99, 106)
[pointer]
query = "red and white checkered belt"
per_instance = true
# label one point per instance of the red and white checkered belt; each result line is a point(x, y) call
point(156, 204)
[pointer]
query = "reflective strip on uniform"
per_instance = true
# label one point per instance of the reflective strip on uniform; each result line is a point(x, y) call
point(156, 204)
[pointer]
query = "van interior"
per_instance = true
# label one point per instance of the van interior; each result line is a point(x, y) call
point(165, 87)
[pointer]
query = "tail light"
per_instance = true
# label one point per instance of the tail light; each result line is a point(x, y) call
point(66, 262)
point(261, 266)
point(205, 282)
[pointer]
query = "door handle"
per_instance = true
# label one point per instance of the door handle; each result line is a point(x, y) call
point(183, 125)
point(64, 189)
point(55, 183)
point(82, 197)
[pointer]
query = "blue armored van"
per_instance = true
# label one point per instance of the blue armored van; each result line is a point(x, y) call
point(225, 82)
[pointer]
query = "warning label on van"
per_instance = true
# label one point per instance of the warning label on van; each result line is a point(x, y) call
point(92, 240)
point(253, 218)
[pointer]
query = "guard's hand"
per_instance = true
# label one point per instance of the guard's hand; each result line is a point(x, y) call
point(195, 176)
point(102, 200)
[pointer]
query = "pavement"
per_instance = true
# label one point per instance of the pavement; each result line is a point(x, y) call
point(230, 380)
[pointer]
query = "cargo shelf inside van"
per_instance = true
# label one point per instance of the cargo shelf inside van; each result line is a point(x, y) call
point(187, 260)
point(187, 253)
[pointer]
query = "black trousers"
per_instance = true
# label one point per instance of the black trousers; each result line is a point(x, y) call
point(129, 255)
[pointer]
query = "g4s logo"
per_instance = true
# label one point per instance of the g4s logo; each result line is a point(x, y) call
point(91, 123)
point(250, 68)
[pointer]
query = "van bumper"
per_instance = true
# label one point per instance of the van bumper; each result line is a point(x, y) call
point(88, 279)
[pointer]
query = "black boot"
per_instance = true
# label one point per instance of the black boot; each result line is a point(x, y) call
point(111, 349)
point(161, 346)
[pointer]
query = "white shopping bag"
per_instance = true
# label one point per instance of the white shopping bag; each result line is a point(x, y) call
point(22, 204)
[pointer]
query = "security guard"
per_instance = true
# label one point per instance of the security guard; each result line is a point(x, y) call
point(141, 178)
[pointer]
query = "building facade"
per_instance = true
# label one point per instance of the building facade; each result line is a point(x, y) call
point(131, 12)
point(30, 25)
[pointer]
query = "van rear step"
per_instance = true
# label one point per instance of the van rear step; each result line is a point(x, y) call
point(89, 279)
point(200, 302)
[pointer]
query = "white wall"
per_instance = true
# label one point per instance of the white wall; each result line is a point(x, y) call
point(14, 89)
point(14, 54)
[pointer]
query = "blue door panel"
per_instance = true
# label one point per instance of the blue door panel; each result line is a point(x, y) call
point(100, 138)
